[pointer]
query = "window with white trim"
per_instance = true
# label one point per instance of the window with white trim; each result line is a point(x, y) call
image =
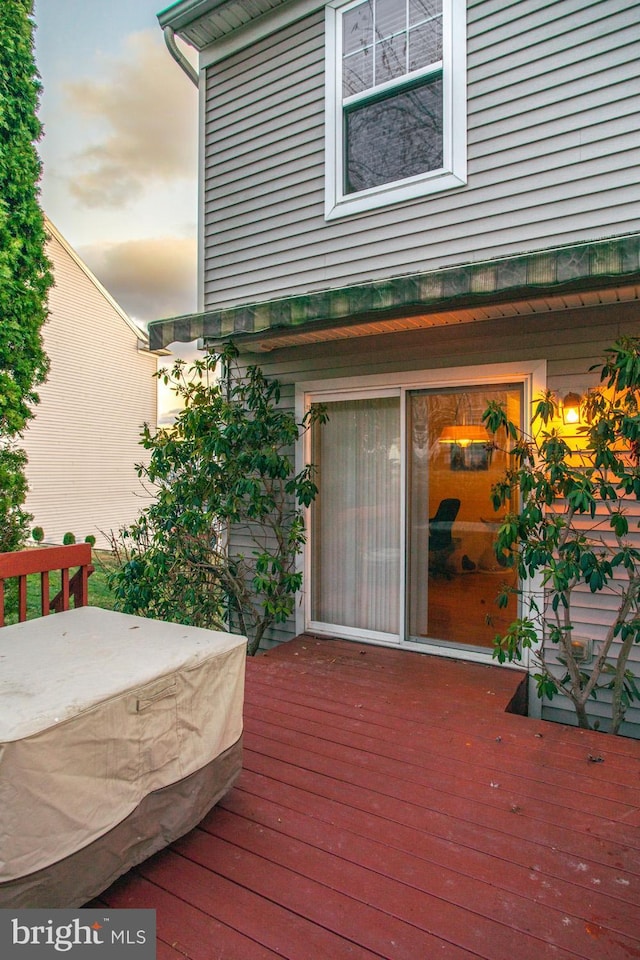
point(396, 103)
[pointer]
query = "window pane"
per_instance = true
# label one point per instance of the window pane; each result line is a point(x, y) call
point(420, 10)
point(394, 138)
point(425, 44)
point(357, 74)
point(391, 17)
point(357, 27)
point(453, 574)
point(355, 520)
point(391, 59)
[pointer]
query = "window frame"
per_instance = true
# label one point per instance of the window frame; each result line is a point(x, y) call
point(452, 174)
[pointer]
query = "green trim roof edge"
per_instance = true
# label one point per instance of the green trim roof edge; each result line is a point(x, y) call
point(582, 266)
point(184, 12)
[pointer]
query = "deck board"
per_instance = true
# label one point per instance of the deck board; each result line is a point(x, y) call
point(390, 807)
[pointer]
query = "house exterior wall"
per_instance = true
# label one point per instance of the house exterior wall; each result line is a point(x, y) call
point(553, 100)
point(570, 343)
point(553, 147)
point(83, 442)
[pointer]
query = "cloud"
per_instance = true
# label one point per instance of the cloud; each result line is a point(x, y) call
point(150, 278)
point(148, 110)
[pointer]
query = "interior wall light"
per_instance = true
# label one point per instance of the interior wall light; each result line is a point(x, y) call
point(464, 434)
point(468, 442)
point(571, 408)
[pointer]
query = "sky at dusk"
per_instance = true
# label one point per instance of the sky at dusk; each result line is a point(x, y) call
point(119, 150)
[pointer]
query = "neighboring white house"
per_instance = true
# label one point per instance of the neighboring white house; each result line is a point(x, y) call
point(409, 207)
point(83, 443)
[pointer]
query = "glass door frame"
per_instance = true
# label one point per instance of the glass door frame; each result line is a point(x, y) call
point(329, 629)
point(530, 375)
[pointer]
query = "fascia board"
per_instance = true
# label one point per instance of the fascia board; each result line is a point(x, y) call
point(185, 12)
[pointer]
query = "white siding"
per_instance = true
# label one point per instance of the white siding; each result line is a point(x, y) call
point(554, 144)
point(84, 441)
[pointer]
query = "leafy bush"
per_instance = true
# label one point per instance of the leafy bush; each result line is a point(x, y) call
point(14, 521)
point(25, 276)
point(37, 534)
point(69, 538)
point(90, 539)
point(572, 534)
point(226, 463)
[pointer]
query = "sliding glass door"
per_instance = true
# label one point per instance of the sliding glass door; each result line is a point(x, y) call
point(402, 531)
point(356, 521)
point(453, 574)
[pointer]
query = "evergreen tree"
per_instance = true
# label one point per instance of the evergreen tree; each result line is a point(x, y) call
point(24, 269)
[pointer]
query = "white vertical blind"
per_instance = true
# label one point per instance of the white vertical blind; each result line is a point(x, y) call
point(356, 517)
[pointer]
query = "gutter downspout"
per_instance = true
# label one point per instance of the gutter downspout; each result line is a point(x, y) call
point(178, 55)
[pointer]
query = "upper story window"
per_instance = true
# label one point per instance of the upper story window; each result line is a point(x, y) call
point(396, 106)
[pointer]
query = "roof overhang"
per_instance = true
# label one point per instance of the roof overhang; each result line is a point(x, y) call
point(585, 275)
point(202, 22)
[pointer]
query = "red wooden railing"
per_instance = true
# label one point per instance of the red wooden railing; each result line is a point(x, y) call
point(44, 561)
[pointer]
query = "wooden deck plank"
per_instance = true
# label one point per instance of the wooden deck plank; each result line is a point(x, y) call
point(181, 925)
point(456, 708)
point(488, 808)
point(481, 860)
point(443, 869)
point(573, 744)
point(209, 887)
point(481, 919)
point(389, 807)
point(454, 743)
point(471, 761)
point(346, 916)
point(586, 861)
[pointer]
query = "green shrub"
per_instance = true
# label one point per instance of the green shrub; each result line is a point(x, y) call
point(572, 534)
point(25, 275)
point(90, 539)
point(69, 538)
point(14, 521)
point(37, 534)
point(225, 462)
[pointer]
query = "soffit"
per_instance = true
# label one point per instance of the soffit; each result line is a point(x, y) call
point(585, 275)
point(519, 308)
point(202, 22)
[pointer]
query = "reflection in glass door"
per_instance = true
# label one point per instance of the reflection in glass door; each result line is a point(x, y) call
point(453, 574)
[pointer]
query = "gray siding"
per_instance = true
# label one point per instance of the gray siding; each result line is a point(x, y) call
point(554, 144)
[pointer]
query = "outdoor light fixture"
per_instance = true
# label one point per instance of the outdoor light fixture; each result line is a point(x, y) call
point(582, 649)
point(571, 408)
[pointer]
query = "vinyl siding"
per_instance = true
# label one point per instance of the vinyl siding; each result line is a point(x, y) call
point(554, 143)
point(591, 616)
point(571, 342)
point(84, 441)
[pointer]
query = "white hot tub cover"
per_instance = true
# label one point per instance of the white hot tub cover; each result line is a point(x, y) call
point(97, 710)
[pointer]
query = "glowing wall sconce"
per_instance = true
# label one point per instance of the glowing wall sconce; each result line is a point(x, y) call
point(571, 408)
point(582, 649)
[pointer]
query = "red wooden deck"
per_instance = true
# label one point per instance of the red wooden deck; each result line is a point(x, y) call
point(390, 807)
